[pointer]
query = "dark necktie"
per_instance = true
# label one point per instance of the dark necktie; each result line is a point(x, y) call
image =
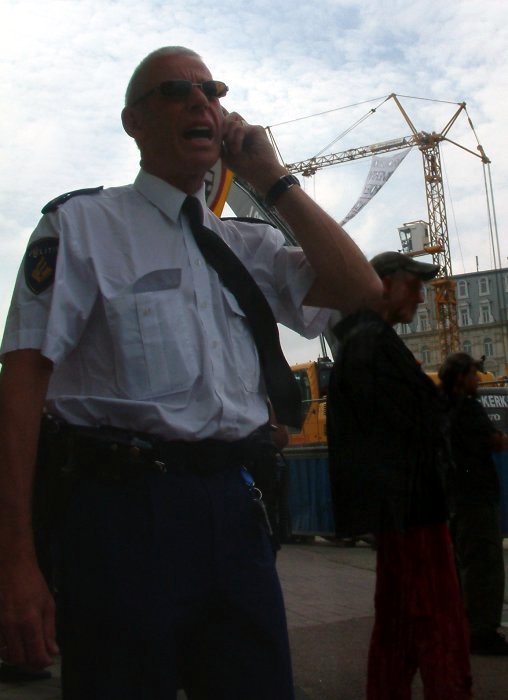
point(280, 382)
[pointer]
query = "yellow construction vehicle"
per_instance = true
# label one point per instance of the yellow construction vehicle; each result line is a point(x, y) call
point(309, 502)
point(312, 378)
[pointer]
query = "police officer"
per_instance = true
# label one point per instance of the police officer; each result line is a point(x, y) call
point(123, 332)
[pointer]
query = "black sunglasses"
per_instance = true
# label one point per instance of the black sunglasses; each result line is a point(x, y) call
point(180, 89)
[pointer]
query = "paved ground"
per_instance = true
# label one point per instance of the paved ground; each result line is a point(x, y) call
point(329, 602)
point(328, 592)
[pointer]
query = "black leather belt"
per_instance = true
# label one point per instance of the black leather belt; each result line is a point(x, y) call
point(111, 454)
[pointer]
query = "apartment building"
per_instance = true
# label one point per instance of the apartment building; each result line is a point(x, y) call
point(482, 311)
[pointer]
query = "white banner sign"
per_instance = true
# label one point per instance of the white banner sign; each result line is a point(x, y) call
point(381, 170)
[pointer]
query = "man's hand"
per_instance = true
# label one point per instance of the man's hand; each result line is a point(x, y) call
point(27, 617)
point(344, 278)
point(249, 154)
point(499, 441)
point(27, 610)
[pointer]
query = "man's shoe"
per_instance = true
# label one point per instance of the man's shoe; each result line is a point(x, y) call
point(492, 643)
point(18, 674)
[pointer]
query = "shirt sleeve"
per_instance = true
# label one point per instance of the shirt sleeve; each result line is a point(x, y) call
point(51, 319)
point(282, 273)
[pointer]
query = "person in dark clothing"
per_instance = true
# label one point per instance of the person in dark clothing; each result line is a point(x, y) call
point(388, 469)
point(475, 490)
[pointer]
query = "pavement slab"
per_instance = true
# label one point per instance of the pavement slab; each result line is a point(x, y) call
point(328, 591)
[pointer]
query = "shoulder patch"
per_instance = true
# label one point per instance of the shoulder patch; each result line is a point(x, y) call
point(40, 263)
point(61, 199)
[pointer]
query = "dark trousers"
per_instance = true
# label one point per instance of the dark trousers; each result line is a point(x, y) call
point(478, 542)
point(168, 581)
point(420, 620)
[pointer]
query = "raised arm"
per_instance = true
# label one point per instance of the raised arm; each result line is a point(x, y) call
point(345, 279)
point(27, 628)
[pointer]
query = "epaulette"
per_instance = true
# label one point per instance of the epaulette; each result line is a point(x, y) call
point(55, 203)
point(248, 220)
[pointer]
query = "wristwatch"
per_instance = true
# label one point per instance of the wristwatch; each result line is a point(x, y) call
point(283, 184)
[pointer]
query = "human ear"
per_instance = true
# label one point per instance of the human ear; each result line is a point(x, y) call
point(387, 286)
point(131, 121)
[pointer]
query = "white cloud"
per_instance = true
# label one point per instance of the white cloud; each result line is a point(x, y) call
point(65, 65)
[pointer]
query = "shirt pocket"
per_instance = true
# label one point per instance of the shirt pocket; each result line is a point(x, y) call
point(241, 341)
point(154, 353)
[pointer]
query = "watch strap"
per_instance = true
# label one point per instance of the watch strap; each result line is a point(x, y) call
point(283, 184)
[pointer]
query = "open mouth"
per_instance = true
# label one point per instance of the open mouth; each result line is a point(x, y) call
point(199, 132)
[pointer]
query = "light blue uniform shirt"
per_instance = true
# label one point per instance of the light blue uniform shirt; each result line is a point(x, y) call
point(141, 332)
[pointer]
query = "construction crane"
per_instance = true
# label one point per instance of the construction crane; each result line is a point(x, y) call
point(438, 246)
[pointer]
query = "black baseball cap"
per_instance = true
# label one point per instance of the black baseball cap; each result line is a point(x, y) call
point(390, 262)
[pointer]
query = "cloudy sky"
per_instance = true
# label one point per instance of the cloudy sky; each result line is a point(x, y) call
point(64, 65)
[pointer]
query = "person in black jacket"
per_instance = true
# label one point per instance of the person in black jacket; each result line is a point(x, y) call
point(388, 470)
point(476, 496)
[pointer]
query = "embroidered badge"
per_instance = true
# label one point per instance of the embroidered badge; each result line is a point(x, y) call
point(40, 264)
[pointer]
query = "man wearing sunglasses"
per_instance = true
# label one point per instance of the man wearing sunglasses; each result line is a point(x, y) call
point(148, 369)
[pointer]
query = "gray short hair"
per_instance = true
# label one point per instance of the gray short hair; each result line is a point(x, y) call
point(132, 87)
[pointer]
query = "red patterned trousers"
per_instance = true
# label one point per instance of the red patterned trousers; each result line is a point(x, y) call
point(420, 621)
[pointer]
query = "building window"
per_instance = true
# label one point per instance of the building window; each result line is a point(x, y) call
point(483, 286)
point(485, 313)
point(423, 321)
point(464, 315)
point(302, 380)
point(488, 347)
point(426, 356)
point(404, 328)
point(506, 282)
point(467, 347)
point(462, 291)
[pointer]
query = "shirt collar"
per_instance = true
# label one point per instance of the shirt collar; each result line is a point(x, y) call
point(352, 321)
point(165, 197)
